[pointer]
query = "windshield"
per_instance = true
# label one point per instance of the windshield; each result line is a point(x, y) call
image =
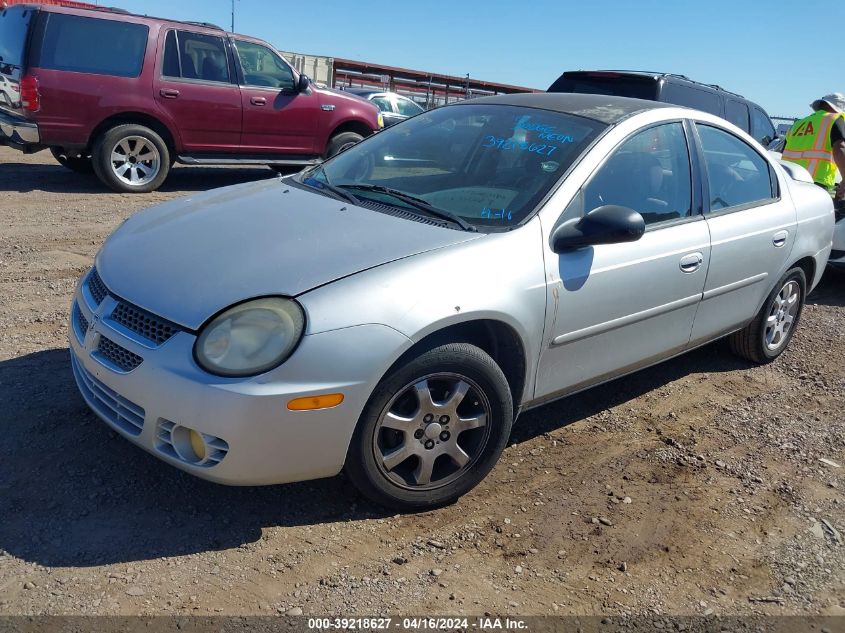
point(490, 165)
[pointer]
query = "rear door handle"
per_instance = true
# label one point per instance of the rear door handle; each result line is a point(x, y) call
point(779, 238)
point(258, 101)
point(168, 93)
point(692, 262)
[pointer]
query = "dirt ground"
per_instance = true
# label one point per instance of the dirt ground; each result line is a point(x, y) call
point(694, 487)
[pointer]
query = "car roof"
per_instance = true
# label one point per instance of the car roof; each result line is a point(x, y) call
point(602, 108)
point(656, 74)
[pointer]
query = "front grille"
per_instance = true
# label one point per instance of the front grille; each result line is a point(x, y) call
point(141, 322)
point(107, 403)
point(172, 441)
point(80, 323)
point(96, 287)
point(118, 356)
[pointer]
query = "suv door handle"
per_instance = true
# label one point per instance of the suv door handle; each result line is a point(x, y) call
point(779, 238)
point(692, 262)
point(168, 93)
point(258, 101)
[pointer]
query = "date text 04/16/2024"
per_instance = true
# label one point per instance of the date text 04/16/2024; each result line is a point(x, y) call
point(418, 624)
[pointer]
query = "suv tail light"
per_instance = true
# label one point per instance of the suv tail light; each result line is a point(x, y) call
point(30, 99)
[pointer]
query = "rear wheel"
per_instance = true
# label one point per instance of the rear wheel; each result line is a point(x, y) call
point(432, 429)
point(767, 336)
point(131, 159)
point(342, 141)
point(78, 164)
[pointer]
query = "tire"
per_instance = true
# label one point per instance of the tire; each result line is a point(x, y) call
point(133, 174)
point(342, 141)
point(474, 427)
point(768, 335)
point(79, 165)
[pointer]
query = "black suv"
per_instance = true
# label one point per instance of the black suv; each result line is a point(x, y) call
point(669, 88)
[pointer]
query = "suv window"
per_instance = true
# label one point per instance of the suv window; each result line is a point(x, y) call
point(262, 67)
point(406, 107)
point(737, 113)
point(691, 97)
point(650, 173)
point(195, 56)
point(761, 127)
point(605, 83)
point(738, 175)
point(14, 25)
point(92, 45)
point(383, 104)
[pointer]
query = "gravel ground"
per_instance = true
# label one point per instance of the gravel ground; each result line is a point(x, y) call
point(694, 487)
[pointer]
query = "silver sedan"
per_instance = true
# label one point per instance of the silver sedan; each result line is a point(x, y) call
point(393, 310)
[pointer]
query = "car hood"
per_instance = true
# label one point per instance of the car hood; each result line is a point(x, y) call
point(187, 259)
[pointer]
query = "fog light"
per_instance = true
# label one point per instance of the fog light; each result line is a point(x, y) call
point(310, 403)
point(198, 444)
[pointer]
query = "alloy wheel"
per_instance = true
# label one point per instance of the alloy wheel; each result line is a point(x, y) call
point(782, 315)
point(432, 431)
point(135, 161)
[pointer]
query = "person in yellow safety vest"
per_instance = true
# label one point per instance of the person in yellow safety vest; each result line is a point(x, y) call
point(818, 142)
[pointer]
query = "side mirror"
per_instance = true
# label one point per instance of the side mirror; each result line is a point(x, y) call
point(609, 224)
point(766, 140)
point(303, 83)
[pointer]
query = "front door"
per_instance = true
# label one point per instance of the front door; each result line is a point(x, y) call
point(615, 307)
point(752, 231)
point(196, 88)
point(277, 118)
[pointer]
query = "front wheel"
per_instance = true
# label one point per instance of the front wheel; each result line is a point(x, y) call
point(131, 159)
point(432, 429)
point(767, 336)
point(341, 142)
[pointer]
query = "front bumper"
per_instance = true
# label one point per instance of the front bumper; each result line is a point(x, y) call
point(18, 132)
point(252, 437)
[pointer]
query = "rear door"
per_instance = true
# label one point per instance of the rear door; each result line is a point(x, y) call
point(197, 89)
point(277, 118)
point(752, 231)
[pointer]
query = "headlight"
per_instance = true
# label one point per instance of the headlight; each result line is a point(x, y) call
point(380, 120)
point(250, 338)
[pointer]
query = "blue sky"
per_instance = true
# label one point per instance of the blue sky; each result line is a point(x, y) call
point(746, 47)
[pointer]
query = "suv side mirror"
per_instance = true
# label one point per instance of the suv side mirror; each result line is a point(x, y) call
point(610, 224)
point(303, 83)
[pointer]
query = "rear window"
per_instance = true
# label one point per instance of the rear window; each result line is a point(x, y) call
point(91, 45)
point(14, 26)
point(616, 85)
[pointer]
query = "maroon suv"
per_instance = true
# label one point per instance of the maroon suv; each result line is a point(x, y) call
point(127, 96)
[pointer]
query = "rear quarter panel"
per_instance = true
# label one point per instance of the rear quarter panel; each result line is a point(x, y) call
point(814, 238)
point(73, 104)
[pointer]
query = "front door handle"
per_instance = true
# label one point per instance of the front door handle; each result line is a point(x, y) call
point(692, 262)
point(258, 101)
point(168, 93)
point(779, 238)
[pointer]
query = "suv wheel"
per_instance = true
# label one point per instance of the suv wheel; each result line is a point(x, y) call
point(432, 429)
point(767, 336)
point(79, 164)
point(131, 159)
point(342, 141)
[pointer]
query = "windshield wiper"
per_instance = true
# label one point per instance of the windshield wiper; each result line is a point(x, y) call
point(325, 184)
point(417, 203)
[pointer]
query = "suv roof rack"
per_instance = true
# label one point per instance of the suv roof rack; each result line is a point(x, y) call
point(207, 25)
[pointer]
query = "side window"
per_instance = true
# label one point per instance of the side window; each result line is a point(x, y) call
point(761, 127)
point(93, 45)
point(691, 97)
point(406, 107)
point(738, 175)
point(650, 173)
point(383, 103)
point(737, 113)
point(195, 56)
point(262, 67)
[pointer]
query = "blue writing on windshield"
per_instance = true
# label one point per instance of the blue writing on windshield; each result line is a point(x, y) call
point(497, 214)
